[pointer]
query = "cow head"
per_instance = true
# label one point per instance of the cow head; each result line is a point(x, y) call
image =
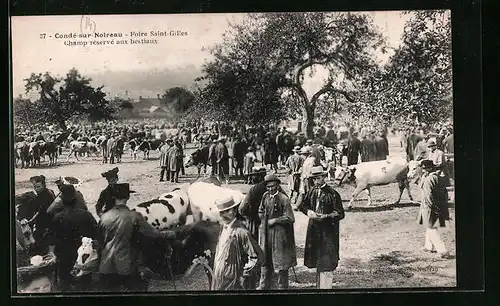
point(86, 252)
point(28, 239)
point(344, 175)
point(414, 169)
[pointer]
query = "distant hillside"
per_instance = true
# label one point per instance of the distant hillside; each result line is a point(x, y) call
point(144, 83)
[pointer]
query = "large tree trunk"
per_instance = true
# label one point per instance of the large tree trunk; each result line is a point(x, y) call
point(309, 121)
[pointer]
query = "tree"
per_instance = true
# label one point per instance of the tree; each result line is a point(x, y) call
point(278, 49)
point(26, 113)
point(63, 99)
point(416, 83)
point(178, 98)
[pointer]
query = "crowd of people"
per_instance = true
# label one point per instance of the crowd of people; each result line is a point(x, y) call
point(249, 250)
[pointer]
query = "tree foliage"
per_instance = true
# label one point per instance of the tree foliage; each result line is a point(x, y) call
point(263, 61)
point(178, 98)
point(416, 83)
point(26, 113)
point(63, 99)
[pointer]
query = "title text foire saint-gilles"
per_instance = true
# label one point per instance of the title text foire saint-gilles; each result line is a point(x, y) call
point(118, 35)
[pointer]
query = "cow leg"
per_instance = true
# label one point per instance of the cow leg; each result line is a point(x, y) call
point(356, 192)
point(368, 191)
point(402, 186)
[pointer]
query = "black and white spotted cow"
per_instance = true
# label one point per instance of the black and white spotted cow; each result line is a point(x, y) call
point(166, 211)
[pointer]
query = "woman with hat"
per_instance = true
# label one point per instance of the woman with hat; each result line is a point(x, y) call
point(276, 236)
point(67, 229)
point(434, 208)
point(323, 205)
point(122, 231)
point(237, 253)
point(106, 201)
point(293, 165)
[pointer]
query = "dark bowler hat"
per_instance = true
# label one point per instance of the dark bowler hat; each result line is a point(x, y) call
point(110, 173)
point(225, 203)
point(272, 178)
point(122, 191)
point(37, 179)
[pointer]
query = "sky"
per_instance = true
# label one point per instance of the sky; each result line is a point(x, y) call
point(32, 53)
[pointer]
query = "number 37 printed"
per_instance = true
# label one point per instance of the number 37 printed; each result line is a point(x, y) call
point(42, 35)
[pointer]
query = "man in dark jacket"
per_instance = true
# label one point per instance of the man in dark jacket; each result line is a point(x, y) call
point(323, 205)
point(222, 158)
point(239, 151)
point(381, 146)
point(67, 229)
point(36, 212)
point(353, 149)
point(106, 201)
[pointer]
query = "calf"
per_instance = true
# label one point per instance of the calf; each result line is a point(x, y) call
point(199, 159)
point(26, 240)
point(145, 147)
point(375, 173)
point(34, 153)
point(51, 149)
point(166, 211)
point(76, 147)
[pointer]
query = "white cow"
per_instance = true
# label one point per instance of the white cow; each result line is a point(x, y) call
point(202, 197)
point(76, 147)
point(375, 173)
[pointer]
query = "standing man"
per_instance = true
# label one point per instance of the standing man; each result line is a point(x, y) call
point(381, 146)
point(239, 151)
point(164, 160)
point(271, 152)
point(294, 164)
point(353, 149)
point(121, 229)
point(276, 236)
point(305, 181)
point(433, 209)
point(323, 205)
point(237, 253)
point(58, 206)
point(37, 212)
point(106, 201)
point(174, 162)
point(436, 156)
point(222, 160)
point(282, 146)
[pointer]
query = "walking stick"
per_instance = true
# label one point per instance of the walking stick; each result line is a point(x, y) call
point(295, 275)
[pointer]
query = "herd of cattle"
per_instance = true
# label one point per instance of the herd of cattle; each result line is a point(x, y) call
point(30, 153)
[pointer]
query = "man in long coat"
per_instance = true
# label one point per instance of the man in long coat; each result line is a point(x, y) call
point(239, 151)
point(271, 152)
point(276, 236)
point(367, 148)
point(323, 205)
point(222, 160)
point(212, 158)
point(294, 164)
point(433, 209)
point(237, 253)
point(381, 146)
point(174, 162)
point(353, 149)
point(164, 160)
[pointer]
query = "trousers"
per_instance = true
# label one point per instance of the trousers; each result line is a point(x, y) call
point(266, 278)
point(433, 240)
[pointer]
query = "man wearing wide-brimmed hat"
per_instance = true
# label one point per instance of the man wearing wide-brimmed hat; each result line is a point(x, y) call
point(276, 236)
point(323, 205)
point(293, 165)
point(305, 181)
point(67, 229)
point(106, 201)
point(237, 255)
point(433, 209)
point(435, 155)
point(124, 233)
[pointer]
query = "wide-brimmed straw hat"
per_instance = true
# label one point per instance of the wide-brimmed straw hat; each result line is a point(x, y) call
point(317, 171)
point(224, 204)
point(306, 150)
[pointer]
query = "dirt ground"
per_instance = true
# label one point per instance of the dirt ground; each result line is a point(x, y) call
point(380, 246)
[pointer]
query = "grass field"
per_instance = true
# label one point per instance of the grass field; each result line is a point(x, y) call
point(380, 246)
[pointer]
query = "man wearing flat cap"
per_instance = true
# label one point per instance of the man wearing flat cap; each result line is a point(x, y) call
point(237, 254)
point(122, 231)
point(276, 236)
point(106, 201)
point(436, 156)
point(38, 216)
point(323, 205)
point(433, 209)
